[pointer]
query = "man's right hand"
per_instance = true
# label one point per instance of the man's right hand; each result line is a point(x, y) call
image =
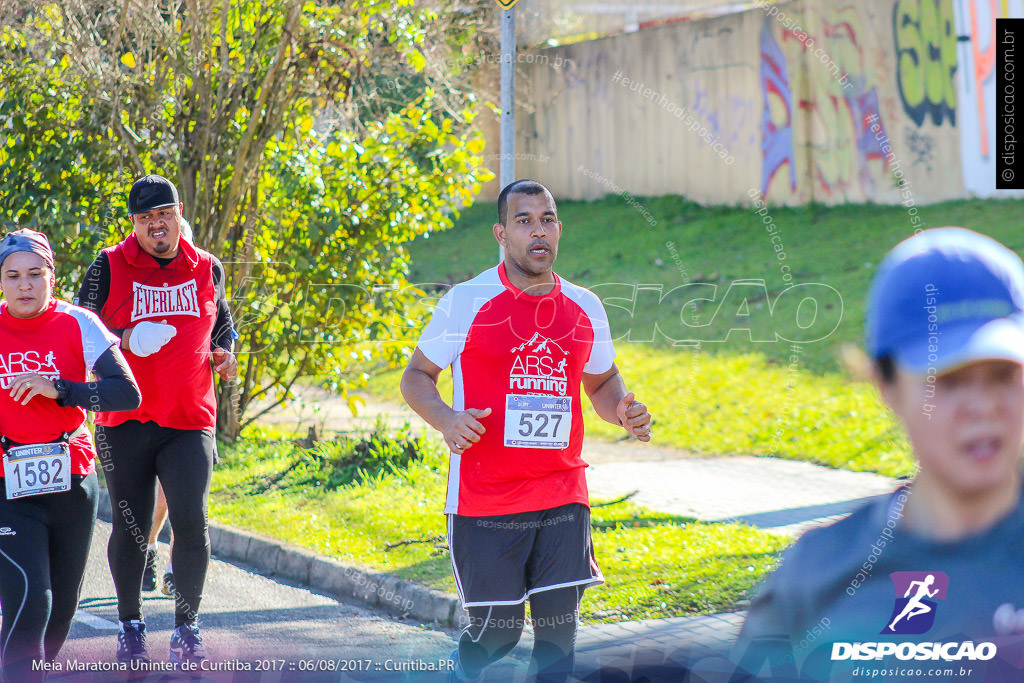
point(147, 338)
point(464, 429)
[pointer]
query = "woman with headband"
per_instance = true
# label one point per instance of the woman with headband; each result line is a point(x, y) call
point(57, 361)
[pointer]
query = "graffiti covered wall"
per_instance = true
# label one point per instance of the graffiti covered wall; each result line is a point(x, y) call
point(813, 100)
point(667, 110)
point(871, 115)
point(976, 116)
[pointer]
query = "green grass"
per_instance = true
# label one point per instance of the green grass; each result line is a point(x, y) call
point(729, 403)
point(731, 394)
point(656, 565)
point(608, 242)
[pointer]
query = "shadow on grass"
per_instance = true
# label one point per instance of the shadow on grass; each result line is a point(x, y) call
point(807, 513)
point(641, 521)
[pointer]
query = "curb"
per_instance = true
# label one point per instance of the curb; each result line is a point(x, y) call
point(276, 558)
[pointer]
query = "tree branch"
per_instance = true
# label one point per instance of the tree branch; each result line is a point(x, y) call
point(243, 166)
point(616, 501)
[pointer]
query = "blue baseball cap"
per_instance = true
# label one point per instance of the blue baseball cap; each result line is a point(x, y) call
point(944, 298)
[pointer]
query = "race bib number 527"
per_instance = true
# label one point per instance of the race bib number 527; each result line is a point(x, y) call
point(537, 421)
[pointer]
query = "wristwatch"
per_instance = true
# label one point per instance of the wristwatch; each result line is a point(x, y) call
point(62, 390)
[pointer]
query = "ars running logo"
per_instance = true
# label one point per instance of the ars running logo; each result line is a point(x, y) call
point(18, 363)
point(539, 366)
point(917, 594)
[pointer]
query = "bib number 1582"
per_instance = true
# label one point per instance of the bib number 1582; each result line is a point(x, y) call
point(37, 469)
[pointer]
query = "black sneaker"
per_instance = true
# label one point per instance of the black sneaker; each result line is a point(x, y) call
point(167, 587)
point(149, 576)
point(131, 642)
point(187, 645)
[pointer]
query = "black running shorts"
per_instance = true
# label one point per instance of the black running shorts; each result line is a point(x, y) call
point(503, 559)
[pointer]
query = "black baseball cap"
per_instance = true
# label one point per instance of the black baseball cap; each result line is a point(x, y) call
point(26, 240)
point(151, 192)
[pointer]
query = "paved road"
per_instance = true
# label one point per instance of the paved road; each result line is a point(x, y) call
point(250, 618)
point(254, 621)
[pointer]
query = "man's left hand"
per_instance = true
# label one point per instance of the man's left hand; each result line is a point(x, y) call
point(633, 416)
point(224, 364)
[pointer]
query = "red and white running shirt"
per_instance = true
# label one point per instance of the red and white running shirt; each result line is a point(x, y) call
point(523, 357)
point(63, 341)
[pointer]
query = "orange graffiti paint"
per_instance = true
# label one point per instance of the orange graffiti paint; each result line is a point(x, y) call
point(984, 63)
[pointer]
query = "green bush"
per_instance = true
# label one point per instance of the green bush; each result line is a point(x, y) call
point(347, 460)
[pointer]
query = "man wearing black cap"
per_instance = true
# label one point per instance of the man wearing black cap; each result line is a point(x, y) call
point(165, 298)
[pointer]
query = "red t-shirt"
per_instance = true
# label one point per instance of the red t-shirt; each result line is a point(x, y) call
point(176, 382)
point(523, 357)
point(62, 342)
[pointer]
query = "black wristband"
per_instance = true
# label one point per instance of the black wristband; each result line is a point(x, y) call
point(62, 390)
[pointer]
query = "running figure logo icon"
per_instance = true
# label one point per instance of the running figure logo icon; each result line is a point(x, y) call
point(914, 612)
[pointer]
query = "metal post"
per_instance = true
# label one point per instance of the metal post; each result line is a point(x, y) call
point(507, 171)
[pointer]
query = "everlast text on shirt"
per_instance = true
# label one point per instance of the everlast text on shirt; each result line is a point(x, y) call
point(153, 302)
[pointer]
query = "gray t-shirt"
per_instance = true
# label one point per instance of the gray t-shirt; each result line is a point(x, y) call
point(866, 579)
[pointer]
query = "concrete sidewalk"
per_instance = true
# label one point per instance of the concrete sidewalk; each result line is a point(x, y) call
point(784, 496)
point(660, 649)
point(653, 650)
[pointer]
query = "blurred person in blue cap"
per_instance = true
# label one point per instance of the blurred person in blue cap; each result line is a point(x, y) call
point(49, 352)
point(926, 581)
point(165, 298)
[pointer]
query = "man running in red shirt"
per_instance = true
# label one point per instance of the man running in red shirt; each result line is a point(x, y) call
point(520, 340)
point(165, 298)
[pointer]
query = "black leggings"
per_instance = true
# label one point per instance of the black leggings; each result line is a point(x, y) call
point(44, 547)
point(133, 455)
point(493, 632)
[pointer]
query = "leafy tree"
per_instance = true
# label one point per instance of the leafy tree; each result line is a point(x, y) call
point(307, 139)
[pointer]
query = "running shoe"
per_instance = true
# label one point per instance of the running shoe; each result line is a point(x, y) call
point(131, 642)
point(167, 587)
point(149, 576)
point(187, 645)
